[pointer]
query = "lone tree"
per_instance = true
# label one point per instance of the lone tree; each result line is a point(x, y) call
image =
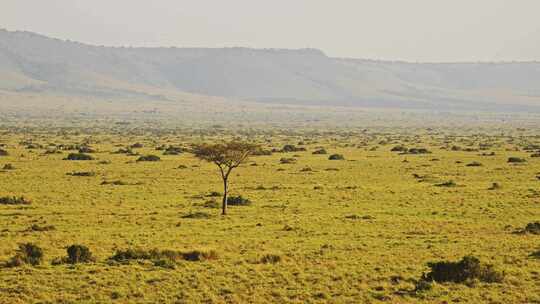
point(226, 156)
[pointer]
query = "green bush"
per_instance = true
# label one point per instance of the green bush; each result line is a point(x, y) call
point(149, 158)
point(516, 160)
point(78, 156)
point(27, 253)
point(13, 200)
point(469, 268)
point(336, 157)
point(238, 201)
point(79, 254)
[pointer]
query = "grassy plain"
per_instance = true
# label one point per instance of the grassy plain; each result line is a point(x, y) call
point(359, 230)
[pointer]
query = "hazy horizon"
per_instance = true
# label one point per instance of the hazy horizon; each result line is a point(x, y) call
point(416, 31)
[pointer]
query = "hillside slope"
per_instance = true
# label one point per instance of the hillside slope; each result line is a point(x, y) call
point(35, 63)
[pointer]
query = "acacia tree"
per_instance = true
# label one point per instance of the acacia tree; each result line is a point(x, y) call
point(226, 156)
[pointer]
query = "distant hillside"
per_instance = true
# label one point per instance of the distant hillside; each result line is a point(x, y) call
point(35, 63)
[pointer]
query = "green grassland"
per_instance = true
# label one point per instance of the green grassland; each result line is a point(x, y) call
point(359, 230)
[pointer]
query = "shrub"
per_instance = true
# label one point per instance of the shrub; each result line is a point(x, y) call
point(516, 160)
point(469, 268)
point(136, 146)
point(320, 152)
point(171, 150)
point(86, 149)
point(149, 158)
point(418, 151)
point(535, 254)
point(474, 164)
point(38, 228)
point(3, 152)
point(214, 194)
point(114, 183)
point(79, 254)
point(287, 160)
point(13, 200)
point(495, 186)
point(336, 157)
point(270, 259)
point(238, 201)
point(200, 255)
point(78, 156)
point(292, 148)
point(399, 149)
point(447, 184)
point(84, 173)
point(197, 215)
point(533, 228)
point(8, 167)
point(27, 253)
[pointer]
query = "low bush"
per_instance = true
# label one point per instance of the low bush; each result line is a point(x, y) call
point(533, 228)
point(38, 228)
point(171, 150)
point(27, 253)
point(474, 164)
point(83, 173)
point(78, 156)
point(3, 152)
point(197, 215)
point(336, 157)
point(270, 259)
point(285, 160)
point(516, 160)
point(149, 158)
point(291, 148)
point(238, 201)
point(320, 152)
point(469, 268)
point(13, 200)
point(447, 184)
point(8, 167)
point(161, 255)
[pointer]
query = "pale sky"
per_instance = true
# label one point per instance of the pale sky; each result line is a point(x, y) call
point(411, 30)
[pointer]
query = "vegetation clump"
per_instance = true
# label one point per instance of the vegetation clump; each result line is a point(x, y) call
point(292, 148)
point(172, 150)
point(516, 160)
point(532, 228)
point(76, 254)
point(238, 201)
point(449, 184)
point(336, 157)
point(8, 167)
point(28, 253)
point(82, 173)
point(287, 160)
point(3, 152)
point(149, 158)
point(14, 200)
point(467, 269)
point(163, 255)
point(38, 228)
point(320, 152)
point(78, 156)
point(474, 164)
point(270, 259)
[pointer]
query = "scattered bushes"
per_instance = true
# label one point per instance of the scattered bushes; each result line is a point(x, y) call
point(336, 157)
point(469, 268)
point(159, 256)
point(13, 200)
point(27, 253)
point(149, 158)
point(238, 201)
point(78, 156)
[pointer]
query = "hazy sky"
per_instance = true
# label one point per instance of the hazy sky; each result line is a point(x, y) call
point(413, 30)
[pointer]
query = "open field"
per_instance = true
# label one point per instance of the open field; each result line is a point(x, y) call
point(358, 230)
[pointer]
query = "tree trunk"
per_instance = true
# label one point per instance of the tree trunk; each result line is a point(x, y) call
point(224, 206)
